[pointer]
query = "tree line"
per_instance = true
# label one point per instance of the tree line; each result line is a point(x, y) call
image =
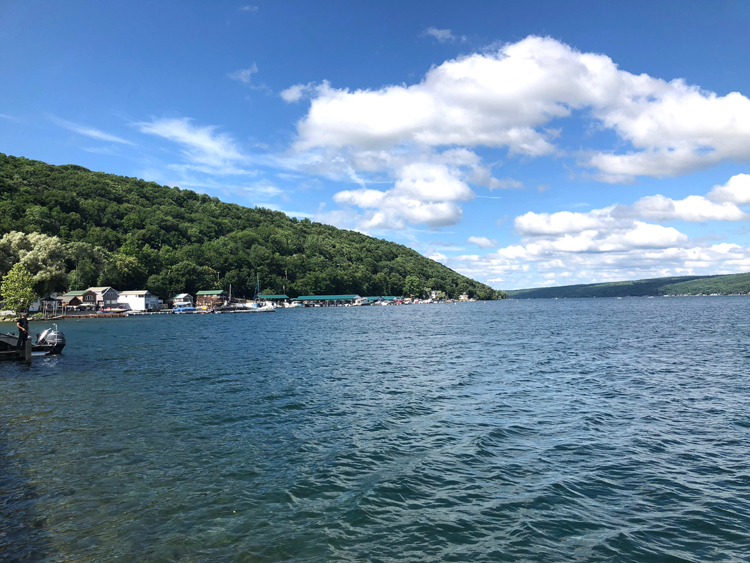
point(74, 228)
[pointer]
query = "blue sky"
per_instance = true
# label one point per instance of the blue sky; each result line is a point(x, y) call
point(523, 144)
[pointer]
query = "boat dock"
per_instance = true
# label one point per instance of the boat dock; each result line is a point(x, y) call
point(16, 355)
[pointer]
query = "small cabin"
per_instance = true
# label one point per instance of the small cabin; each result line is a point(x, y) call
point(211, 298)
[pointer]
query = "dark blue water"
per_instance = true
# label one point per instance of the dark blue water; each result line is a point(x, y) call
point(570, 430)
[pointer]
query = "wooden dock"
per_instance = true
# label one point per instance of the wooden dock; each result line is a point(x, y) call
point(18, 355)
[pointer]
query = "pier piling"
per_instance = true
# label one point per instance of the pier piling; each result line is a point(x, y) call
point(27, 351)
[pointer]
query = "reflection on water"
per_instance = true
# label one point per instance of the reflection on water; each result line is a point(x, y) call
point(595, 430)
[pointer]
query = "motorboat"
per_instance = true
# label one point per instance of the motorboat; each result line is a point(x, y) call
point(185, 311)
point(48, 342)
point(247, 308)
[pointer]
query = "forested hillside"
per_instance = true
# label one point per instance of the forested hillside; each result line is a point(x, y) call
point(730, 284)
point(129, 233)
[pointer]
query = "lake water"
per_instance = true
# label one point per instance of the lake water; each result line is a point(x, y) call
point(567, 430)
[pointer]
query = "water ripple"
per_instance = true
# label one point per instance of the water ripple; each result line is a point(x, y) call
point(586, 430)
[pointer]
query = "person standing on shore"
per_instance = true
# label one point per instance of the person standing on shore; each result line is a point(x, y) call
point(23, 331)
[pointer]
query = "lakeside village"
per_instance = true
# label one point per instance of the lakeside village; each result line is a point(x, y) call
point(109, 302)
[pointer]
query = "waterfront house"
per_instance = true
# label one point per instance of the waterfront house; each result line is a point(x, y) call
point(80, 298)
point(183, 300)
point(211, 298)
point(138, 300)
point(106, 297)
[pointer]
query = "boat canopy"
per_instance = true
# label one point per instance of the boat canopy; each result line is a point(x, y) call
point(327, 298)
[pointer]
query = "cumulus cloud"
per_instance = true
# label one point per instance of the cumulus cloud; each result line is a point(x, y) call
point(295, 93)
point(244, 74)
point(482, 242)
point(736, 190)
point(507, 98)
point(693, 208)
point(525, 265)
point(422, 194)
point(438, 257)
point(614, 243)
point(656, 208)
point(561, 223)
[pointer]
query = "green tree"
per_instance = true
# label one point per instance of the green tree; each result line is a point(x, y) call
point(135, 232)
point(18, 288)
point(413, 286)
point(184, 277)
point(123, 272)
point(41, 255)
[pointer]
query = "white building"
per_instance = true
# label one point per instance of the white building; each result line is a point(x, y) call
point(138, 300)
point(183, 300)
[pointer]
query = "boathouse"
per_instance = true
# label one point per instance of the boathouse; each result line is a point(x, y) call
point(211, 298)
point(327, 300)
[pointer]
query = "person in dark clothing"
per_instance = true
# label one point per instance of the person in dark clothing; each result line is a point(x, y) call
point(23, 331)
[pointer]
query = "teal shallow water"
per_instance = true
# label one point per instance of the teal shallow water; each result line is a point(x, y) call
point(587, 430)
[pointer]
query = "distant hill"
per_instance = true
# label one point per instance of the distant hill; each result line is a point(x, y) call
point(730, 284)
point(132, 234)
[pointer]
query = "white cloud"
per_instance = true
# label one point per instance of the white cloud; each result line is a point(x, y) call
point(89, 131)
point(525, 266)
point(243, 75)
point(203, 147)
point(618, 217)
point(441, 35)
point(438, 257)
point(297, 92)
point(249, 8)
point(561, 223)
point(614, 243)
point(508, 98)
point(736, 190)
point(423, 192)
point(693, 208)
point(482, 242)
point(482, 176)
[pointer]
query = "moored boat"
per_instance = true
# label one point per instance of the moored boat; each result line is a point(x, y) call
point(48, 342)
